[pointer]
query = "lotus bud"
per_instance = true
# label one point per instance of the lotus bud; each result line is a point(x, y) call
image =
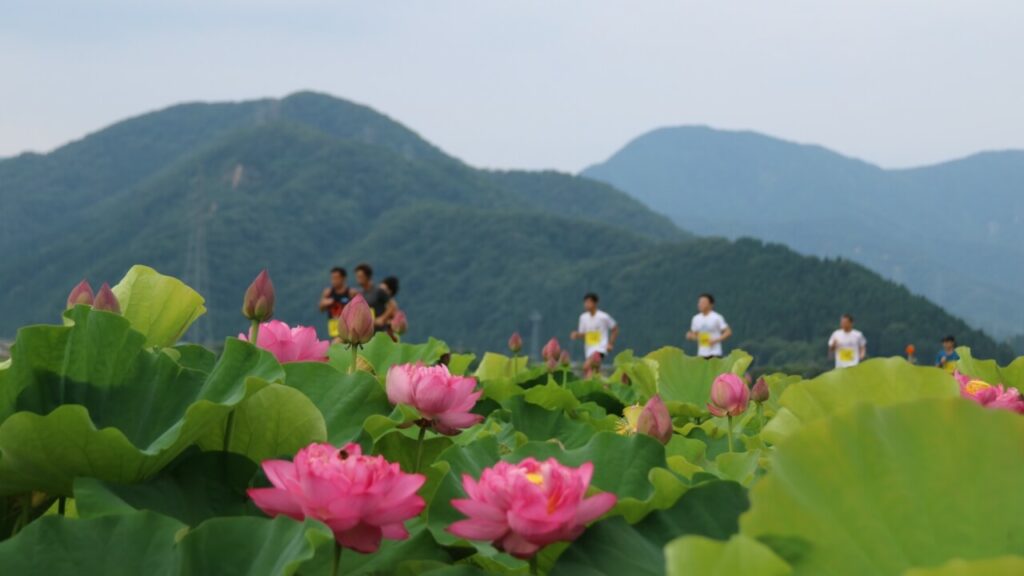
point(355, 327)
point(105, 300)
point(258, 304)
point(515, 343)
point(552, 364)
point(759, 393)
point(563, 359)
point(552, 350)
point(80, 294)
point(399, 323)
point(729, 396)
point(655, 421)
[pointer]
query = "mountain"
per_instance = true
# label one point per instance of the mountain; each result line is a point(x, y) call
point(953, 232)
point(300, 184)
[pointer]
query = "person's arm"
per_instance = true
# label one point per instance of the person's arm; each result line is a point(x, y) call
point(613, 336)
point(726, 334)
point(832, 346)
point(863, 348)
point(325, 299)
point(578, 332)
point(692, 334)
point(389, 312)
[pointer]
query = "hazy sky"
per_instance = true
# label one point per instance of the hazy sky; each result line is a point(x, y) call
point(543, 83)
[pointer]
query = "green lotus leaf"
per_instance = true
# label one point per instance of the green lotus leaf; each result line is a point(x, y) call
point(739, 555)
point(195, 488)
point(160, 307)
point(880, 382)
point(687, 379)
point(613, 546)
point(382, 353)
point(459, 363)
point(1002, 566)
point(641, 372)
point(155, 545)
point(552, 397)
point(540, 424)
point(89, 400)
point(1011, 376)
point(497, 366)
point(419, 547)
point(345, 400)
point(400, 446)
point(882, 489)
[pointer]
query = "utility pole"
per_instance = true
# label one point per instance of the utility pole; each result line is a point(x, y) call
point(535, 345)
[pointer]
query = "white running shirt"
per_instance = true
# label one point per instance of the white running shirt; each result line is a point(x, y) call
point(708, 327)
point(848, 345)
point(595, 329)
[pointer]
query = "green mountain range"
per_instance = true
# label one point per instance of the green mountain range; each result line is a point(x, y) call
point(215, 192)
point(953, 232)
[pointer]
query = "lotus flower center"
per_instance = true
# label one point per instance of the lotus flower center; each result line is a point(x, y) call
point(975, 386)
point(535, 478)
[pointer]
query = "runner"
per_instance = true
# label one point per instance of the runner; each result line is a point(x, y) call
point(376, 298)
point(334, 298)
point(847, 345)
point(708, 328)
point(597, 329)
point(948, 357)
point(390, 287)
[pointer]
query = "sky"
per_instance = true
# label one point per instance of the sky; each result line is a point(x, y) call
point(538, 83)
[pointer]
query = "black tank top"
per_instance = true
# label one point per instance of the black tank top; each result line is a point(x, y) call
point(340, 301)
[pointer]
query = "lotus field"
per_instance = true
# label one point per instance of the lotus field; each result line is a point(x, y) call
point(125, 451)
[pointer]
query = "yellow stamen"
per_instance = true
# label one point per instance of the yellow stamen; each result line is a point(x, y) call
point(535, 478)
point(975, 386)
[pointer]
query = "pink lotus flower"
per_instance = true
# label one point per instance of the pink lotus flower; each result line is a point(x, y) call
point(258, 303)
point(80, 294)
point(442, 399)
point(592, 365)
point(564, 359)
point(399, 323)
point(655, 421)
point(552, 350)
point(515, 343)
point(105, 300)
point(523, 507)
point(760, 393)
point(729, 396)
point(363, 499)
point(990, 396)
point(355, 326)
point(298, 344)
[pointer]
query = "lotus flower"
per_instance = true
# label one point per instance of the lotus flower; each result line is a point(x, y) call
point(355, 326)
point(523, 507)
point(80, 294)
point(515, 343)
point(551, 350)
point(399, 323)
point(990, 396)
point(362, 499)
point(651, 419)
point(105, 300)
point(258, 304)
point(298, 344)
point(729, 396)
point(442, 399)
point(760, 393)
point(592, 365)
point(564, 360)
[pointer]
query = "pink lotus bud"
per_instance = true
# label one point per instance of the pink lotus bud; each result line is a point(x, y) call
point(523, 507)
point(355, 326)
point(441, 398)
point(515, 343)
point(552, 350)
point(363, 499)
point(759, 393)
point(399, 323)
point(258, 303)
point(552, 364)
point(564, 358)
point(592, 365)
point(105, 300)
point(729, 396)
point(655, 420)
point(80, 294)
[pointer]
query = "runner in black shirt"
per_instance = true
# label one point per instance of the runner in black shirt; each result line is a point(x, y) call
point(334, 299)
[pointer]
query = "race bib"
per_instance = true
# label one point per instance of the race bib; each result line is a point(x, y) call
point(846, 354)
point(950, 366)
point(332, 327)
point(592, 338)
point(704, 339)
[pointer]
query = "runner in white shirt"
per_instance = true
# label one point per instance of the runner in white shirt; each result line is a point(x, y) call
point(847, 345)
point(708, 328)
point(597, 329)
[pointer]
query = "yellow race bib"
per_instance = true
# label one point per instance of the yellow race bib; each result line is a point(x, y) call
point(592, 338)
point(332, 327)
point(950, 366)
point(704, 339)
point(846, 354)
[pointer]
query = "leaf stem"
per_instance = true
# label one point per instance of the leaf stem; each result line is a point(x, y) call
point(419, 447)
point(729, 429)
point(534, 565)
point(355, 358)
point(61, 505)
point(337, 559)
point(254, 332)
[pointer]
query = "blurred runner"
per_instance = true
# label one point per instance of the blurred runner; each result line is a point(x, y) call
point(376, 298)
point(390, 287)
point(708, 328)
point(334, 298)
point(948, 357)
point(597, 329)
point(847, 345)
